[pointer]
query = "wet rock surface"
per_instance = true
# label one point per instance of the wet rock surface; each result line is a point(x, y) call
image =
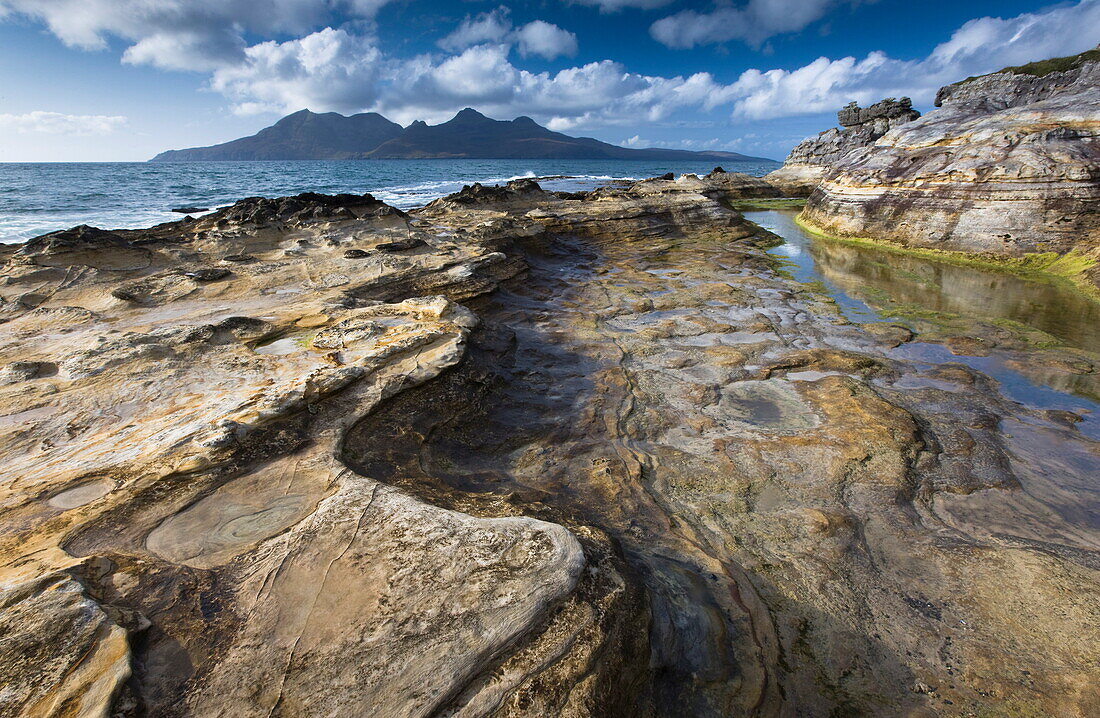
point(786, 499)
point(527, 454)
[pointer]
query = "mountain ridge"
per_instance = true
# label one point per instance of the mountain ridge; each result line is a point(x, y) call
point(306, 135)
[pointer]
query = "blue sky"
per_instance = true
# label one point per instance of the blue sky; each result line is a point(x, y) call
point(88, 80)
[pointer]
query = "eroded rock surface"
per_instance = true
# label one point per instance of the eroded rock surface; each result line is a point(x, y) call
point(1009, 164)
point(811, 159)
point(789, 497)
point(170, 435)
point(516, 453)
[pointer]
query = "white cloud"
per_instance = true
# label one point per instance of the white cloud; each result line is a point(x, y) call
point(339, 69)
point(535, 38)
point(182, 34)
point(594, 94)
point(982, 45)
point(545, 39)
point(326, 70)
point(615, 5)
point(480, 74)
point(185, 50)
point(492, 26)
point(753, 24)
point(56, 123)
point(821, 86)
point(335, 70)
point(712, 144)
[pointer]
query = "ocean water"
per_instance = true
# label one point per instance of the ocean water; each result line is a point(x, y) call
point(36, 198)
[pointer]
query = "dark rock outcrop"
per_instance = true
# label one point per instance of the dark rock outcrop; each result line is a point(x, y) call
point(479, 194)
point(852, 115)
point(300, 209)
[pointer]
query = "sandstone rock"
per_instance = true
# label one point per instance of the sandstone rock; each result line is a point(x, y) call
point(60, 654)
point(650, 477)
point(19, 371)
point(400, 245)
point(889, 109)
point(1010, 164)
point(1016, 86)
point(190, 434)
point(810, 160)
point(210, 274)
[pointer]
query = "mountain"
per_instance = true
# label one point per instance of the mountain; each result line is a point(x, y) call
point(469, 134)
point(304, 135)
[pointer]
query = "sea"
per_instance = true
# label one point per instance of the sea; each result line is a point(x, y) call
point(36, 198)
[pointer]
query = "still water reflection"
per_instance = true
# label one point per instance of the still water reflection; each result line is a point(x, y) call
point(861, 276)
point(866, 283)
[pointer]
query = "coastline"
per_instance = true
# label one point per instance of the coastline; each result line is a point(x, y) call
point(526, 408)
point(136, 195)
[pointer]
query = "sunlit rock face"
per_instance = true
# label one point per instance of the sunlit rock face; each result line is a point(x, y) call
point(809, 161)
point(515, 453)
point(173, 406)
point(1010, 163)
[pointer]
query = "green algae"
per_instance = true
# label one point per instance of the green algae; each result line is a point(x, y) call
point(764, 204)
point(1068, 269)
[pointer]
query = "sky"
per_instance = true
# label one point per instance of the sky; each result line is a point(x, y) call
point(121, 80)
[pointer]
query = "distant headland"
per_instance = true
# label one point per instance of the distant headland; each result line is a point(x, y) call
point(307, 135)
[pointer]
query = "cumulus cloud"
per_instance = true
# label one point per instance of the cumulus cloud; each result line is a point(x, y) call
point(182, 34)
point(344, 70)
point(535, 38)
point(982, 45)
point(336, 70)
point(545, 39)
point(326, 70)
point(492, 26)
point(606, 93)
point(597, 93)
point(56, 123)
point(754, 23)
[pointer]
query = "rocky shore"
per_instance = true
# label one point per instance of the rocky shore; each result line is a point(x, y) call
point(1007, 166)
point(811, 159)
point(516, 453)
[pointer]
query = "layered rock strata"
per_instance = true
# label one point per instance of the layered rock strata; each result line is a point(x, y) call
point(1008, 165)
point(811, 159)
point(179, 533)
point(515, 453)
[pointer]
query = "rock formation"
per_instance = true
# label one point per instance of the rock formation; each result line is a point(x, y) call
point(811, 159)
point(515, 453)
point(1009, 164)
